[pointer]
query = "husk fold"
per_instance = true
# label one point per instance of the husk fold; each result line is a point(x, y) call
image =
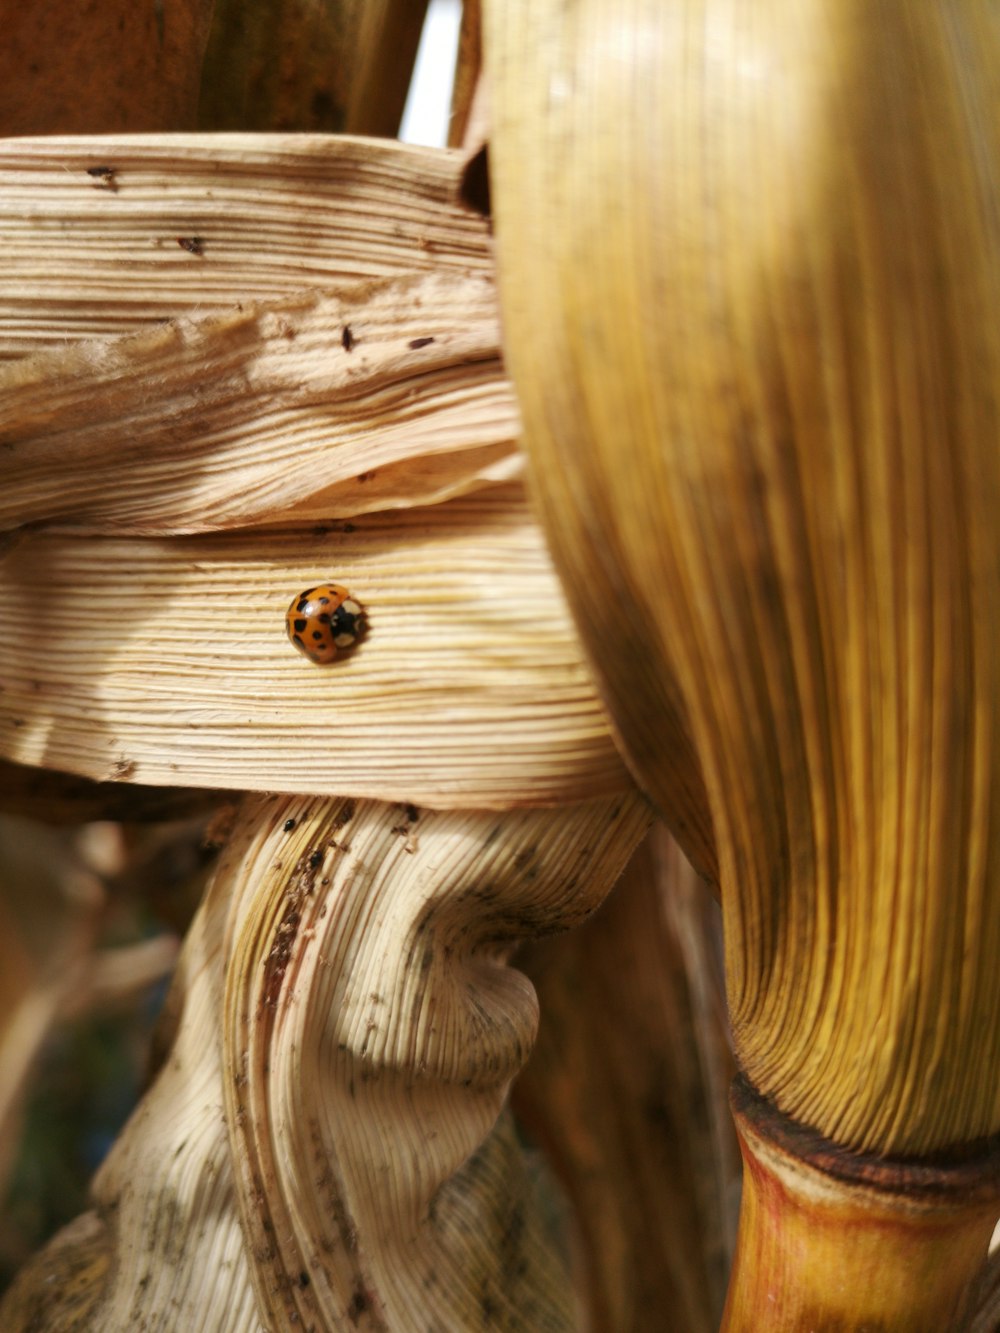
point(330, 1158)
point(330, 354)
point(285, 410)
point(371, 1027)
point(750, 266)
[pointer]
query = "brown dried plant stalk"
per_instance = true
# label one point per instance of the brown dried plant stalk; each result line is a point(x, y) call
point(756, 252)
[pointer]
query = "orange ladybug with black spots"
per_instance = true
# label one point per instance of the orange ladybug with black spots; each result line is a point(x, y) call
point(324, 622)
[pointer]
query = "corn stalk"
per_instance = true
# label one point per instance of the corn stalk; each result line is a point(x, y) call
point(758, 252)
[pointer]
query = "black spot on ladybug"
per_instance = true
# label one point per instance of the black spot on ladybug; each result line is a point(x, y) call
point(319, 634)
point(416, 343)
point(347, 338)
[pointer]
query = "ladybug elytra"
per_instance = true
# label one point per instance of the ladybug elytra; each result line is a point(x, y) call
point(324, 621)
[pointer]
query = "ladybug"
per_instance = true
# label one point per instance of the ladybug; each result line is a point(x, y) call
point(323, 621)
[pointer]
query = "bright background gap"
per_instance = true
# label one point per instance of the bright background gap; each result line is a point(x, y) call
point(428, 103)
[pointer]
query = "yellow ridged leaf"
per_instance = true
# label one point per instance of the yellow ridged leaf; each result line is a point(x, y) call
point(749, 262)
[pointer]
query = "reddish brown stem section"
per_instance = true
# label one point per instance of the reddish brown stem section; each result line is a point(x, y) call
point(835, 1241)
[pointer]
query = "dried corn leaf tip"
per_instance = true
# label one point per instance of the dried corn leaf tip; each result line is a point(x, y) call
point(325, 621)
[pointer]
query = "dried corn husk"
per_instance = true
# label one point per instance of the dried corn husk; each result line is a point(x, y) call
point(262, 217)
point(301, 406)
point(167, 660)
point(292, 409)
point(372, 1027)
point(295, 417)
point(168, 657)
